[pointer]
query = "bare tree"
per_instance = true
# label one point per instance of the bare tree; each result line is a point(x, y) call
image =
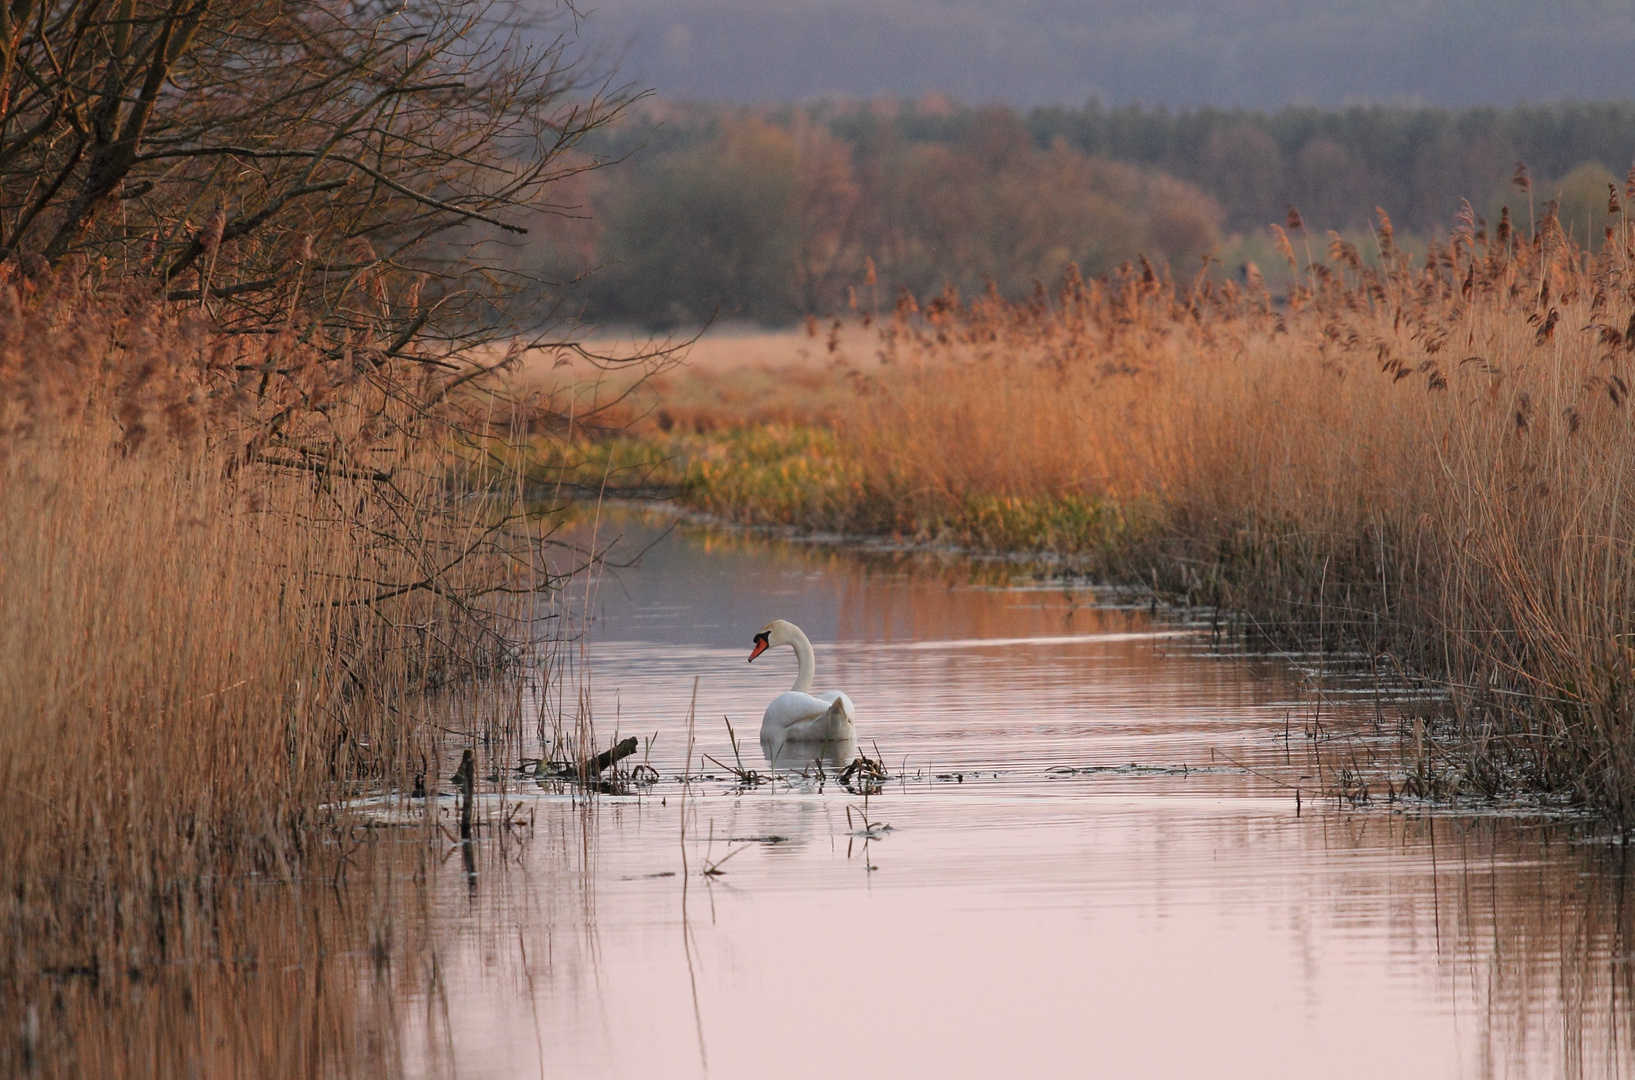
point(291, 163)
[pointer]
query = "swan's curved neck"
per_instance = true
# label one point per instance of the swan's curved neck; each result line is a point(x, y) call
point(803, 655)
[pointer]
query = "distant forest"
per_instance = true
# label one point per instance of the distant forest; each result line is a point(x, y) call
point(712, 211)
point(1338, 165)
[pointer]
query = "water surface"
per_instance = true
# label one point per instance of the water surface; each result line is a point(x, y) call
point(1096, 861)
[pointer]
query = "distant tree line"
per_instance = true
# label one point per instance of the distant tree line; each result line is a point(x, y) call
point(1338, 165)
point(775, 213)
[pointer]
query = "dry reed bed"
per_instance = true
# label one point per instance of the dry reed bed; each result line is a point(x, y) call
point(1433, 456)
point(233, 569)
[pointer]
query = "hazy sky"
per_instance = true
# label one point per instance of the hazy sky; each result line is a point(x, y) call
point(1175, 52)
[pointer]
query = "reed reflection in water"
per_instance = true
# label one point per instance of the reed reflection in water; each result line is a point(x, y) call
point(1094, 866)
point(1154, 942)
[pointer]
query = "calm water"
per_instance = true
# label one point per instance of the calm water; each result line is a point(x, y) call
point(1094, 866)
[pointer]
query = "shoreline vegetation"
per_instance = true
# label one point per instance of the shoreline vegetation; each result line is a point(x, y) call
point(228, 609)
point(1423, 457)
point(248, 292)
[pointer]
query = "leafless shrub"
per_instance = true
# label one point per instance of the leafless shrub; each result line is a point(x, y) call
point(309, 164)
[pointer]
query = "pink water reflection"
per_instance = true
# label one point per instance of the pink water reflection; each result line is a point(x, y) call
point(1176, 919)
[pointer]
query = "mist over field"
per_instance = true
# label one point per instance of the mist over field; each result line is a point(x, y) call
point(1250, 53)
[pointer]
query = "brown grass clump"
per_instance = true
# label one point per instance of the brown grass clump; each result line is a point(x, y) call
point(230, 566)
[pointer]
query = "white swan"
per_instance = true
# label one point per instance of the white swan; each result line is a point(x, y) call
point(821, 721)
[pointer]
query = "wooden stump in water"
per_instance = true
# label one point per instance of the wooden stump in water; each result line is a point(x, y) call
point(465, 779)
point(612, 756)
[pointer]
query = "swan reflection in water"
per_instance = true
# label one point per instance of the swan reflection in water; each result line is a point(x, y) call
point(806, 755)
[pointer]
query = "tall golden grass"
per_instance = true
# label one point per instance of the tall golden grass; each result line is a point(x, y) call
point(1430, 456)
point(232, 570)
point(1436, 454)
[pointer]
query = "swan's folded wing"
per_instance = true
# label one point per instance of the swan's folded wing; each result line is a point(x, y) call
point(835, 697)
point(792, 708)
point(833, 722)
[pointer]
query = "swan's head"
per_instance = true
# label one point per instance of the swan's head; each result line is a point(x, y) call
point(775, 633)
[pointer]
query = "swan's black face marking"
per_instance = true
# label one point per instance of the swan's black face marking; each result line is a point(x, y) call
point(760, 645)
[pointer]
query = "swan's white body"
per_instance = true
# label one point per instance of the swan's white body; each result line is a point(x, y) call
point(798, 715)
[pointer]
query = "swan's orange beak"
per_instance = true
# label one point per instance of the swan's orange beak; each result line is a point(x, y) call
point(760, 646)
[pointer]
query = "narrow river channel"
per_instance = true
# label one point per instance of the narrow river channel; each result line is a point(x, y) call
point(1088, 859)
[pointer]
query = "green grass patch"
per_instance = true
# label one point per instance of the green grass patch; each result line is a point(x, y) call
point(804, 478)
